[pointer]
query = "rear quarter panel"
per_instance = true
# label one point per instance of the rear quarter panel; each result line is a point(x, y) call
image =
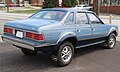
point(54, 33)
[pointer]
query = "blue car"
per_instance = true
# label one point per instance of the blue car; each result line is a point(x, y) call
point(60, 31)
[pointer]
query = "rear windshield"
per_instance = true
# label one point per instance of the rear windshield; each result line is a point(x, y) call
point(49, 15)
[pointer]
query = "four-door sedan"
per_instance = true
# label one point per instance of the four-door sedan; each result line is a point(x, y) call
point(61, 31)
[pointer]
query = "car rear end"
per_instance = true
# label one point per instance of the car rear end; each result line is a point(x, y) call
point(23, 38)
point(29, 34)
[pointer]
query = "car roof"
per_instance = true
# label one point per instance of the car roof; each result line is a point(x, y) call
point(67, 9)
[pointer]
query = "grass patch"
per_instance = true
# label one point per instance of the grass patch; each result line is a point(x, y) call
point(25, 11)
point(1, 8)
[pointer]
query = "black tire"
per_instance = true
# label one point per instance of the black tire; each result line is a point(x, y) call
point(63, 57)
point(28, 52)
point(111, 41)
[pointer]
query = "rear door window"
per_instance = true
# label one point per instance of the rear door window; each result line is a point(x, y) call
point(81, 18)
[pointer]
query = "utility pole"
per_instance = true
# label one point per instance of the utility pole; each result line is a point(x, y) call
point(78, 2)
point(7, 6)
point(95, 6)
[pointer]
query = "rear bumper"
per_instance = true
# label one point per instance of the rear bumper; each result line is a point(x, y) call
point(24, 44)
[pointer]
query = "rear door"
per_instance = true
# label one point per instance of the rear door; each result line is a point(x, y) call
point(83, 28)
point(99, 29)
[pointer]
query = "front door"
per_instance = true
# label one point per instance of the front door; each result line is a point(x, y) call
point(99, 29)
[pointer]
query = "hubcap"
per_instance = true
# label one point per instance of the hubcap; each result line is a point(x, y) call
point(112, 41)
point(66, 53)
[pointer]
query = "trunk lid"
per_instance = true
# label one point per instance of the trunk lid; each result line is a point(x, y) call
point(29, 24)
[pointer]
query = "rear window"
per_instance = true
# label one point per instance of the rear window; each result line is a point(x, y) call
point(49, 15)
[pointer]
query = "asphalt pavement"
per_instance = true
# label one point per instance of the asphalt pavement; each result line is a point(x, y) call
point(88, 59)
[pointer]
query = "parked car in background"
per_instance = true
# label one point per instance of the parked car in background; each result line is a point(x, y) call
point(61, 31)
point(2, 5)
point(83, 7)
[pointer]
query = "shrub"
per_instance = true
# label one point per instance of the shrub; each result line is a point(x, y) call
point(55, 3)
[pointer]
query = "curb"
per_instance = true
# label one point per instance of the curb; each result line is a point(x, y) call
point(16, 14)
point(107, 17)
point(7, 19)
point(11, 19)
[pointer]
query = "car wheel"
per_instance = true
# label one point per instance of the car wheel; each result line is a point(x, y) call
point(28, 52)
point(111, 41)
point(65, 54)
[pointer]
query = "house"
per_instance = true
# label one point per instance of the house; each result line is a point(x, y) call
point(34, 2)
point(14, 2)
point(2, 1)
point(22, 2)
point(110, 6)
point(104, 6)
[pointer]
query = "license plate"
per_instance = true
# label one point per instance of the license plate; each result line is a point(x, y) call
point(19, 34)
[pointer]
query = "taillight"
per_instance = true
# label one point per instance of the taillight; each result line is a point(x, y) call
point(8, 30)
point(34, 36)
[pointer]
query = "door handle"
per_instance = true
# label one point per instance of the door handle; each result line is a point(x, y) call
point(93, 29)
point(77, 30)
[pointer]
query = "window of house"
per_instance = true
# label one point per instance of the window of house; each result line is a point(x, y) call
point(2, 1)
point(110, 3)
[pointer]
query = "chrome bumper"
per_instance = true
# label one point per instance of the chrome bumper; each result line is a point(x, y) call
point(24, 44)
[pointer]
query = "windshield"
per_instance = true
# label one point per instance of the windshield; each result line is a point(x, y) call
point(49, 15)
